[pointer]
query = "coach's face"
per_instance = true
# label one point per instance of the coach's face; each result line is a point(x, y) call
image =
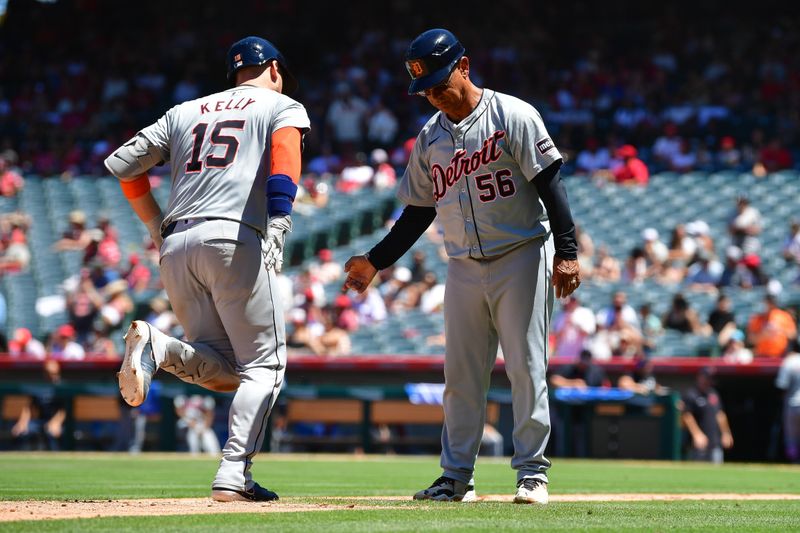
point(450, 95)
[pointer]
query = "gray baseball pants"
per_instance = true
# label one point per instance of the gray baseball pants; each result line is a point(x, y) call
point(509, 300)
point(223, 297)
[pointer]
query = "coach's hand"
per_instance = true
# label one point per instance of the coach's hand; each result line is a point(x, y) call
point(272, 245)
point(566, 276)
point(359, 273)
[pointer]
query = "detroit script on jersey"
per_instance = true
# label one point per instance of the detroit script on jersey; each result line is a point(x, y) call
point(478, 174)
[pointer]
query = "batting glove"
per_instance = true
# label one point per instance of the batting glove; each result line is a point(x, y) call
point(272, 245)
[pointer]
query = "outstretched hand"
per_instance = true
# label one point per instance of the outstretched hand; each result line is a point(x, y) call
point(360, 273)
point(566, 276)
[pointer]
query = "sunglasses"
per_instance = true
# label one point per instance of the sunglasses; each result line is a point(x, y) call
point(439, 87)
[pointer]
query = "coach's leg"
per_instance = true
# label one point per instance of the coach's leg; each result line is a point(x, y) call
point(470, 352)
point(523, 298)
point(252, 318)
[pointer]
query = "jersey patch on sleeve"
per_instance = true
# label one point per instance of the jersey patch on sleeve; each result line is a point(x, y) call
point(545, 145)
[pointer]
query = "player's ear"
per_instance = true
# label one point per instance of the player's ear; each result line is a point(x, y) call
point(463, 66)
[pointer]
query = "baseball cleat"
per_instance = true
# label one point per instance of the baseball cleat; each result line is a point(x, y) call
point(256, 494)
point(446, 489)
point(531, 490)
point(139, 364)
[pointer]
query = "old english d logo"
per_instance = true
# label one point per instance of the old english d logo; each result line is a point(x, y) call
point(416, 68)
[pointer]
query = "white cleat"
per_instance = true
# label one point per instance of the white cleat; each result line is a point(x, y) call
point(446, 489)
point(531, 490)
point(139, 364)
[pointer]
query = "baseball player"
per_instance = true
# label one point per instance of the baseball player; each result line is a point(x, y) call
point(235, 163)
point(486, 166)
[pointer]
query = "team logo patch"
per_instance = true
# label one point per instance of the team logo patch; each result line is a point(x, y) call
point(416, 68)
point(545, 145)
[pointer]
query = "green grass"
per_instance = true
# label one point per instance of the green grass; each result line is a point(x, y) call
point(110, 476)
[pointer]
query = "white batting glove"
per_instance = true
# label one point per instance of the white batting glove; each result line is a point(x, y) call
point(272, 245)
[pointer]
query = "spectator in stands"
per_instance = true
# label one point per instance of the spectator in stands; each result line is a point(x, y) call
point(62, 344)
point(685, 160)
point(705, 420)
point(629, 170)
point(328, 270)
point(585, 252)
point(384, 175)
point(41, 422)
point(394, 286)
point(681, 317)
point(655, 251)
point(300, 336)
point(584, 373)
point(196, 418)
point(791, 245)
point(83, 306)
point(11, 182)
point(137, 275)
point(346, 119)
point(24, 344)
point(592, 158)
point(744, 226)
point(728, 156)
point(735, 351)
point(668, 145)
point(345, 316)
point(606, 268)
point(3, 321)
point(700, 232)
point(16, 256)
point(652, 328)
point(77, 236)
point(370, 306)
point(705, 274)
point(382, 127)
point(432, 298)
point(334, 341)
point(721, 320)
point(682, 246)
point(773, 157)
point(635, 270)
point(572, 326)
point(163, 318)
point(100, 344)
point(619, 307)
point(752, 274)
point(641, 380)
point(117, 304)
point(771, 331)
point(788, 381)
point(418, 268)
point(734, 272)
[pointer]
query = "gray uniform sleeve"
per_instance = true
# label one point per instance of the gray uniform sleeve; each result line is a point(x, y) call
point(531, 145)
point(159, 133)
point(416, 186)
point(289, 113)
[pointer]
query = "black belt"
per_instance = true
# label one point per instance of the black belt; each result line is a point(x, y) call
point(167, 231)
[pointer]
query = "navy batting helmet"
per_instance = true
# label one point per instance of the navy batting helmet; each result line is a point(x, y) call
point(257, 51)
point(431, 57)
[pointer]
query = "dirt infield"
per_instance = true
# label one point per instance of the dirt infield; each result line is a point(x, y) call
point(50, 510)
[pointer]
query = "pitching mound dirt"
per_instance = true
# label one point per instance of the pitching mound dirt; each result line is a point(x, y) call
point(51, 510)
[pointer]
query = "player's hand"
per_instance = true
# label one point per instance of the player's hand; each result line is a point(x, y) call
point(566, 276)
point(272, 245)
point(727, 440)
point(700, 441)
point(360, 273)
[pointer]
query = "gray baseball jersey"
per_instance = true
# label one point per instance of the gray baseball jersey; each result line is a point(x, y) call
point(479, 175)
point(217, 145)
point(211, 263)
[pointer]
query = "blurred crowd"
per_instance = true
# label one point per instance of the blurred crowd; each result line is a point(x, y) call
point(678, 89)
